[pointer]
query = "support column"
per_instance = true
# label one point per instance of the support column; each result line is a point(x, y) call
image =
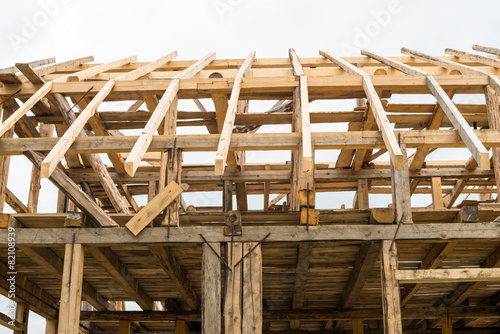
point(126, 328)
point(211, 289)
point(446, 325)
point(252, 289)
point(71, 291)
point(357, 326)
point(5, 161)
point(401, 195)
point(232, 288)
point(494, 123)
point(51, 327)
point(180, 327)
point(22, 316)
point(437, 193)
point(391, 305)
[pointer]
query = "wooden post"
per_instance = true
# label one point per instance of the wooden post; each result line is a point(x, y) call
point(180, 327)
point(232, 287)
point(494, 121)
point(211, 289)
point(401, 195)
point(22, 316)
point(5, 161)
point(252, 289)
point(362, 194)
point(357, 326)
point(391, 306)
point(227, 196)
point(125, 327)
point(437, 193)
point(51, 326)
point(71, 291)
point(446, 325)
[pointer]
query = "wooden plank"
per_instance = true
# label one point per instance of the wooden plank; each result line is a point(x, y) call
point(227, 129)
point(211, 289)
point(71, 290)
point(71, 190)
point(410, 70)
point(362, 194)
point(296, 66)
point(146, 69)
point(154, 207)
point(57, 67)
point(473, 143)
point(301, 276)
point(16, 116)
point(437, 193)
point(306, 151)
point(448, 275)
point(169, 264)
point(251, 321)
point(125, 327)
point(357, 326)
point(494, 123)
point(90, 72)
point(486, 49)
point(446, 325)
point(22, 317)
point(343, 64)
point(391, 307)
point(52, 159)
point(232, 289)
point(119, 272)
point(180, 327)
point(470, 56)
point(35, 63)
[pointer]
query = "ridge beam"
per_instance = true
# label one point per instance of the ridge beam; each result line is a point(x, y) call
point(378, 110)
point(227, 129)
point(140, 147)
point(473, 143)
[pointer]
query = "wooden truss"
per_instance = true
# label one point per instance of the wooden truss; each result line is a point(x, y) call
point(109, 135)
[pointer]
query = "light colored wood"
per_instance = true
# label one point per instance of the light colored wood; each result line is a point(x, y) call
point(401, 195)
point(4, 169)
point(50, 326)
point(125, 327)
point(446, 325)
point(154, 207)
point(233, 288)
point(410, 70)
point(343, 64)
point(42, 71)
point(211, 289)
point(35, 98)
point(494, 123)
point(391, 307)
point(227, 129)
point(136, 74)
point(306, 159)
point(486, 49)
point(473, 143)
point(362, 194)
point(196, 67)
point(52, 159)
point(296, 66)
point(252, 289)
point(437, 193)
point(470, 56)
point(449, 275)
point(71, 291)
point(90, 72)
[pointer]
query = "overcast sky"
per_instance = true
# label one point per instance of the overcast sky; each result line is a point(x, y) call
point(110, 30)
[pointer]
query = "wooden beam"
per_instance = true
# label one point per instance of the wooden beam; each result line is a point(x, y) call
point(52, 159)
point(16, 116)
point(125, 327)
point(169, 264)
point(494, 123)
point(14, 202)
point(251, 321)
point(211, 289)
point(146, 69)
point(119, 272)
point(22, 317)
point(90, 72)
point(306, 160)
point(7, 322)
point(448, 275)
point(401, 195)
point(357, 326)
point(470, 56)
point(437, 193)
point(71, 190)
point(154, 207)
point(49, 260)
point(232, 307)
point(296, 66)
point(5, 166)
point(301, 276)
point(71, 291)
point(446, 325)
point(180, 327)
point(227, 129)
point(57, 67)
point(486, 49)
point(390, 288)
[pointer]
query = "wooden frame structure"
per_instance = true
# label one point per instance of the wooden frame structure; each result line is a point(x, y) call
point(297, 262)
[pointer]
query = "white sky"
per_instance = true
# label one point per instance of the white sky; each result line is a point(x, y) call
point(110, 30)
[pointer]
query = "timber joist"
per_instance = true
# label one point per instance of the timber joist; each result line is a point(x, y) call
point(356, 213)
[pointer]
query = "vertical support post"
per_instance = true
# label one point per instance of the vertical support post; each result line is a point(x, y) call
point(362, 194)
point(401, 195)
point(125, 327)
point(180, 327)
point(494, 121)
point(437, 193)
point(357, 326)
point(391, 305)
point(22, 316)
point(50, 326)
point(71, 291)
point(227, 196)
point(232, 286)
point(5, 161)
point(211, 289)
point(295, 166)
point(446, 325)
point(252, 289)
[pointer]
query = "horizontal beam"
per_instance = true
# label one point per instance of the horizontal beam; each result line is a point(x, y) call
point(309, 314)
point(449, 275)
point(257, 141)
point(292, 233)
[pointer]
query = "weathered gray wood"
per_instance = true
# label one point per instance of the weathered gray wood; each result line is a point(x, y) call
point(391, 307)
point(211, 283)
point(252, 289)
